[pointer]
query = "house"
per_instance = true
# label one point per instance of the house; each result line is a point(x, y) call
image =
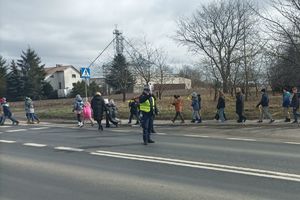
point(62, 78)
point(170, 82)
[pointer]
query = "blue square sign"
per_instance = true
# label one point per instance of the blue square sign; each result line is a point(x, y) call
point(85, 72)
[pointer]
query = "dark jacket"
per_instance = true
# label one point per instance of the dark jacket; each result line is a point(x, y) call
point(133, 105)
point(6, 109)
point(264, 101)
point(221, 103)
point(98, 106)
point(199, 100)
point(295, 101)
point(239, 106)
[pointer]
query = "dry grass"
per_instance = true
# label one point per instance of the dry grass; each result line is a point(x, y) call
point(62, 108)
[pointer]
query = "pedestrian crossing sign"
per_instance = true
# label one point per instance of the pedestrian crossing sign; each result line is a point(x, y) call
point(85, 73)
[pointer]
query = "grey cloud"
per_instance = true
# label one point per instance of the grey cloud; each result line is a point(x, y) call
point(73, 32)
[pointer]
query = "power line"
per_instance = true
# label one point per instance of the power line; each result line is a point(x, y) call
point(101, 53)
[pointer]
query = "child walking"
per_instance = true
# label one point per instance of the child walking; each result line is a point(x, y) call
point(87, 112)
point(77, 108)
point(7, 113)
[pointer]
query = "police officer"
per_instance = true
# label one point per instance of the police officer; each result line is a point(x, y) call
point(147, 103)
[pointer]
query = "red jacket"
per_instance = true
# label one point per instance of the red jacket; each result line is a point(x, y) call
point(178, 103)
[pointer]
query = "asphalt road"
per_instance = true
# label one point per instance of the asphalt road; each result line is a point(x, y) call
point(51, 161)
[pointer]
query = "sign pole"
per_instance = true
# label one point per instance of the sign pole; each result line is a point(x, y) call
point(86, 96)
point(85, 74)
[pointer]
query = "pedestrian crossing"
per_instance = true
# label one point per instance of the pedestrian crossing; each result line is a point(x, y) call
point(165, 132)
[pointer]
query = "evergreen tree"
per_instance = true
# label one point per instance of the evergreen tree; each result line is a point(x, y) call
point(32, 73)
point(119, 76)
point(48, 91)
point(93, 88)
point(3, 76)
point(79, 88)
point(14, 82)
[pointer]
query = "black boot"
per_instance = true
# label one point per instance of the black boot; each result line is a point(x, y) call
point(145, 140)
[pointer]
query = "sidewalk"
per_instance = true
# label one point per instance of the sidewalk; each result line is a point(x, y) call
point(206, 123)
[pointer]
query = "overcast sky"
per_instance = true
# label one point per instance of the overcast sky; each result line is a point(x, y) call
point(75, 31)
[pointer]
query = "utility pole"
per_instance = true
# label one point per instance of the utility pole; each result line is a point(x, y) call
point(118, 42)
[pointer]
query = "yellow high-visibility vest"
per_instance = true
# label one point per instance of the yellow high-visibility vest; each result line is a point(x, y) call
point(145, 106)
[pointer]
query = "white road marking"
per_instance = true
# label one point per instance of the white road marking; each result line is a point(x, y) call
point(201, 165)
point(16, 130)
point(68, 149)
point(297, 143)
point(161, 134)
point(241, 139)
point(199, 136)
point(34, 145)
point(7, 141)
point(121, 131)
point(39, 128)
point(5, 126)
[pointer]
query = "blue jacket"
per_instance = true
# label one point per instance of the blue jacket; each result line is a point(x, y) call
point(286, 99)
point(195, 104)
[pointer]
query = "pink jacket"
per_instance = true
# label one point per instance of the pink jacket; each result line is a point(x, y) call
point(87, 111)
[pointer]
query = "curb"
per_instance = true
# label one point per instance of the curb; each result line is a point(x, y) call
point(211, 123)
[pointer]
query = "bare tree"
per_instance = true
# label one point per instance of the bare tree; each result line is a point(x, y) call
point(149, 64)
point(286, 28)
point(162, 71)
point(143, 59)
point(218, 31)
point(284, 50)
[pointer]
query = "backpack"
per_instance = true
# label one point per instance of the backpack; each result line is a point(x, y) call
point(79, 105)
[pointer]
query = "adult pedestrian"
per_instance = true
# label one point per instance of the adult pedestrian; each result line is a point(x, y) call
point(155, 108)
point(7, 113)
point(295, 104)
point(78, 108)
point(286, 101)
point(133, 106)
point(1, 111)
point(200, 107)
point(264, 103)
point(147, 103)
point(221, 106)
point(240, 102)
point(195, 108)
point(98, 107)
point(178, 104)
point(30, 111)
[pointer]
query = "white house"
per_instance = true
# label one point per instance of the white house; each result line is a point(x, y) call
point(170, 82)
point(62, 78)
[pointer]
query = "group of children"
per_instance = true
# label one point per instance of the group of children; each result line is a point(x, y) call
point(7, 114)
point(83, 111)
point(289, 101)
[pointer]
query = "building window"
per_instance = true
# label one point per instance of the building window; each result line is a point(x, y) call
point(73, 75)
point(59, 85)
